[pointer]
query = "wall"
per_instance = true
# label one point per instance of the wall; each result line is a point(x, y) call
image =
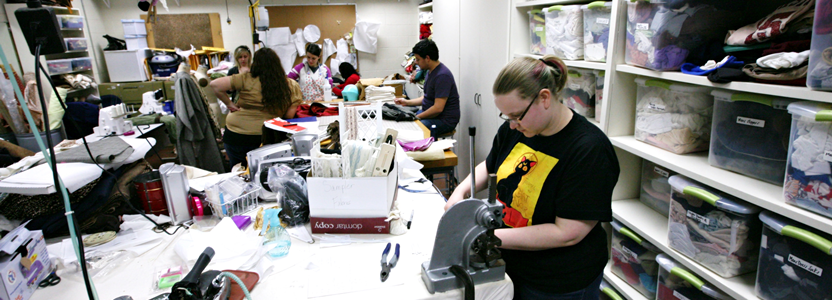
point(6, 38)
point(399, 25)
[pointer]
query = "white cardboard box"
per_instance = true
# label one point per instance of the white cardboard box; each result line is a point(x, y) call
point(22, 272)
point(360, 197)
point(127, 65)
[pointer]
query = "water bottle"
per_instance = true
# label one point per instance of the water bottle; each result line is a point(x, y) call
point(327, 92)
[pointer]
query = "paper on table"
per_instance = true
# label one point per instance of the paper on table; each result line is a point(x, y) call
point(342, 272)
point(233, 248)
point(199, 184)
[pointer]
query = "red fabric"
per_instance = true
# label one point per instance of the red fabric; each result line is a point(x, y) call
point(316, 110)
point(665, 293)
point(424, 31)
point(790, 46)
point(794, 82)
point(353, 79)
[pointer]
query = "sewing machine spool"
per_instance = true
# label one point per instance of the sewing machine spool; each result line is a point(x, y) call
point(149, 190)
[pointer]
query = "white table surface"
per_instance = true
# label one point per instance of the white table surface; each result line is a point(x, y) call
point(145, 129)
point(304, 268)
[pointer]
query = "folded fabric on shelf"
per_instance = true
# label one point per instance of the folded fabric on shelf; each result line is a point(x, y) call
point(770, 26)
point(710, 66)
point(783, 60)
point(758, 72)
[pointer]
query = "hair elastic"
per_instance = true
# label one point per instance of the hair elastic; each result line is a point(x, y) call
point(557, 66)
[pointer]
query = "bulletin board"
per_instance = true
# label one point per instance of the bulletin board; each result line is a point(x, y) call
point(183, 30)
point(333, 20)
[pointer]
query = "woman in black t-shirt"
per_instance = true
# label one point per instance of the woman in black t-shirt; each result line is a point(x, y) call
point(242, 64)
point(556, 172)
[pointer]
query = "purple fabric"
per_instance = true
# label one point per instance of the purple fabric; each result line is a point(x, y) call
point(440, 84)
point(604, 37)
point(669, 58)
point(295, 72)
point(420, 145)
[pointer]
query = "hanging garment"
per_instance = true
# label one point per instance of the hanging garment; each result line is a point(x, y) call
point(328, 49)
point(343, 50)
point(366, 36)
point(286, 53)
point(196, 141)
point(300, 42)
point(278, 36)
point(312, 83)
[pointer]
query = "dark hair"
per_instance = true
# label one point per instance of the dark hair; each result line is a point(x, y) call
point(426, 48)
point(274, 86)
point(347, 70)
point(313, 49)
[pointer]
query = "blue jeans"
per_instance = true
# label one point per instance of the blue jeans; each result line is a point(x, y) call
point(523, 291)
point(437, 127)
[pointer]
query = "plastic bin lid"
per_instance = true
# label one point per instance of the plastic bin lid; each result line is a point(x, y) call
point(132, 21)
point(601, 73)
point(786, 227)
point(816, 110)
point(778, 103)
point(607, 289)
point(620, 228)
point(597, 5)
point(535, 11)
point(561, 8)
point(689, 187)
point(134, 36)
point(672, 267)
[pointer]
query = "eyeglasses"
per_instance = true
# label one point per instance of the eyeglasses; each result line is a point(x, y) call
point(510, 119)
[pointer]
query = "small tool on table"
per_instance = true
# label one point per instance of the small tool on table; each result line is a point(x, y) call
point(385, 266)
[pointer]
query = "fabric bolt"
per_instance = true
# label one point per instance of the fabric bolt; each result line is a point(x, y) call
point(196, 142)
point(783, 60)
point(757, 72)
point(564, 33)
point(770, 26)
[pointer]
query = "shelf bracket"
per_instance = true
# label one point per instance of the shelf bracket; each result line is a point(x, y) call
point(107, 3)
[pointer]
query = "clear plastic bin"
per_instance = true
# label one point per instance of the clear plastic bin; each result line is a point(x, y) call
point(599, 92)
point(718, 231)
point(794, 262)
point(673, 116)
point(537, 26)
point(661, 33)
point(677, 282)
point(75, 44)
point(596, 30)
point(808, 174)
point(70, 22)
point(81, 64)
point(59, 66)
point(750, 135)
point(608, 292)
point(634, 260)
point(579, 92)
point(655, 187)
point(565, 31)
point(820, 55)
point(133, 26)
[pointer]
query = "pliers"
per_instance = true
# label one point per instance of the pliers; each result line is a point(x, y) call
point(385, 266)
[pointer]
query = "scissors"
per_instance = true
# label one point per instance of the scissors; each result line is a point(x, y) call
point(385, 266)
point(50, 280)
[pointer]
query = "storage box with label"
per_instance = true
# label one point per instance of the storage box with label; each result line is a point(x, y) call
point(565, 31)
point(24, 263)
point(579, 92)
point(599, 93)
point(354, 192)
point(596, 30)
point(677, 282)
point(716, 230)
point(673, 116)
point(820, 55)
point(810, 153)
point(655, 187)
point(634, 260)
point(795, 262)
point(750, 135)
point(537, 26)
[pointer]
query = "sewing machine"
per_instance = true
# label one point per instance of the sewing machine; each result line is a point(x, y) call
point(151, 103)
point(465, 243)
point(111, 120)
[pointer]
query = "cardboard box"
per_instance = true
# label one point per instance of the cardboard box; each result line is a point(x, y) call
point(360, 197)
point(398, 85)
point(24, 262)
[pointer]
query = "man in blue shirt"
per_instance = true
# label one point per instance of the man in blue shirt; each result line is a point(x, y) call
point(440, 104)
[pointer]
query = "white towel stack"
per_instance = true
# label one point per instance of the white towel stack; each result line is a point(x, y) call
point(384, 93)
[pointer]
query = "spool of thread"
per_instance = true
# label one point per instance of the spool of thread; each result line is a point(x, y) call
point(202, 77)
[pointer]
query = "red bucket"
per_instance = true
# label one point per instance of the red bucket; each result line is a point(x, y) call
point(149, 189)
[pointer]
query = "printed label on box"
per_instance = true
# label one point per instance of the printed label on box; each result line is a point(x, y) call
point(604, 21)
point(700, 218)
point(654, 106)
point(538, 29)
point(679, 295)
point(642, 26)
point(805, 265)
point(827, 155)
point(664, 173)
point(751, 122)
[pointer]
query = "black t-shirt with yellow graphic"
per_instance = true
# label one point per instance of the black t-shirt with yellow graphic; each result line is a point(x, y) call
point(568, 175)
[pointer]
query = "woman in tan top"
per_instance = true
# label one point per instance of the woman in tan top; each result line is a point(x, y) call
point(264, 93)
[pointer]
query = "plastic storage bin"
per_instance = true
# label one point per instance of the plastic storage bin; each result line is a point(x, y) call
point(673, 116)
point(537, 26)
point(749, 135)
point(718, 231)
point(565, 31)
point(810, 151)
point(599, 92)
point(59, 66)
point(133, 27)
point(634, 260)
point(75, 44)
point(661, 33)
point(596, 30)
point(608, 292)
point(81, 64)
point(579, 92)
point(70, 22)
point(136, 42)
point(677, 282)
point(794, 262)
point(655, 187)
point(820, 55)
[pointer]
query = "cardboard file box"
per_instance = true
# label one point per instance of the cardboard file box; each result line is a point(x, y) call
point(24, 262)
